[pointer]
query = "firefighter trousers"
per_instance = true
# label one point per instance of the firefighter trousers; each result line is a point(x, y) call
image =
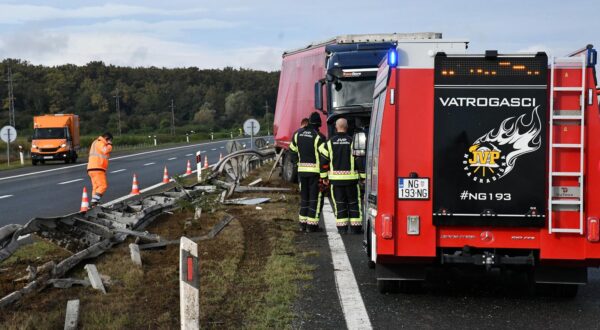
point(99, 184)
point(310, 198)
point(346, 203)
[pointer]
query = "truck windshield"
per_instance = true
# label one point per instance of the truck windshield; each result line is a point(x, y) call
point(49, 133)
point(348, 93)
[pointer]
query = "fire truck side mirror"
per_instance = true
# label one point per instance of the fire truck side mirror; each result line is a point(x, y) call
point(319, 96)
point(359, 143)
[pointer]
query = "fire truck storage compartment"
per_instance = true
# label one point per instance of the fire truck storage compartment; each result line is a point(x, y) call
point(490, 150)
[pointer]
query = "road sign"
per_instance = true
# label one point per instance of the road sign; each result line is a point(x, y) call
point(8, 134)
point(251, 126)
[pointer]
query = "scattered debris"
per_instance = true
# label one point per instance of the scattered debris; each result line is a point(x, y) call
point(31, 273)
point(134, 249)
point(197, 213)
point(259, 208)
point(247, 201)
point(275, 164)
point(65, 283)
point(242, 189)
point(94, 277)
point(255, 182)
point(72, 317)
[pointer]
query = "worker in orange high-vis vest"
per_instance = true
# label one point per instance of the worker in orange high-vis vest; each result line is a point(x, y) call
point(98, 164)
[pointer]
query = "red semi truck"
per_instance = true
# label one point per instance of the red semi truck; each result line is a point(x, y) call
point(488, 160)
point(335, 77)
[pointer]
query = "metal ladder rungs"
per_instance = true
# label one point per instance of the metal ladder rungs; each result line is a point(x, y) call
point(566, 145)
point(566, 230)
point(566, 202)
point(567, 117)
point(567, 174)
point(568, 89)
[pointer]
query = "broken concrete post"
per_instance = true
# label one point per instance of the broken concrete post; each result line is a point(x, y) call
point(255, 182)
point(135, 254)
point(197, 213)
point(95, 277)
point(72, 317)
point(65, 283)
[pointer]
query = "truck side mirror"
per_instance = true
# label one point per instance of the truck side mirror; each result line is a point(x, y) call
point(359, 144)
point(319, 96)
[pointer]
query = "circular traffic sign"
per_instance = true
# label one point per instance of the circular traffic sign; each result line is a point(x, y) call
point(8, 134)
point(251, 126)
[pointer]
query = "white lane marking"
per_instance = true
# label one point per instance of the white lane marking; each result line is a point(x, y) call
point(222, 147)
point(148, 164)
point(117, 171)
point(114, 158)
point(6, 196)
point(122, 198)
point(213, 149)
point(71, 181)
point(172, 158)
point(352, 303)
point(189, 155)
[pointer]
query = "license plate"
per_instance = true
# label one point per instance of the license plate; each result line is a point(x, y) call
point(413, 188)
point(48, 157)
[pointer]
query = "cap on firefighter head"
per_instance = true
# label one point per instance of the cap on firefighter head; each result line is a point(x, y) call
point(315, 119)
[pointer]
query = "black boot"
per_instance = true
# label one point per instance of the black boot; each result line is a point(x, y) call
point(302, 226)
point(342, 229)
point(312, 228)
point(356, 229)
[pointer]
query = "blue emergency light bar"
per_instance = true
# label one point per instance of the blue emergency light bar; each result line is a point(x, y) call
point(392, 58)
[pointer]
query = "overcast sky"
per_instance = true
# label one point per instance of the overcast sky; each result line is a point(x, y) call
point(253, 34)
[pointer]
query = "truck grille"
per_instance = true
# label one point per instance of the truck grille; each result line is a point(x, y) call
point(48, 149)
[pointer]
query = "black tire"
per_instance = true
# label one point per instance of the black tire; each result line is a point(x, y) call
point(557, 290)
point(388, 286)
point(411, 287)
point(289, 170)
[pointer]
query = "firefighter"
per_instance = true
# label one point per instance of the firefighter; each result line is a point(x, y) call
point(344, 175)
point(304, 122)
point(305, 143)
point(97, 166)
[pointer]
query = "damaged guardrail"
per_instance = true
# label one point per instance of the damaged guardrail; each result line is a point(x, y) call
point(88, 235)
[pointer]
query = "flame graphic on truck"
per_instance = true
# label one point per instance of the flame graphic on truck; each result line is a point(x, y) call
point(498, 150)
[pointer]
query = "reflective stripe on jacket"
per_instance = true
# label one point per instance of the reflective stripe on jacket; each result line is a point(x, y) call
point(306, 143)
point(338, 151)
point(99, 154)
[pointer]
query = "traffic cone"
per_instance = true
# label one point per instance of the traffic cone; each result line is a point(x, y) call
point(85, 203)
point(135, 190)
point(206, 161)
point(165, 176)
point(188, 169)
point(220, 156)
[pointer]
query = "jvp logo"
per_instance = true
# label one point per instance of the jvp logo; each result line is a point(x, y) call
point(484, 163)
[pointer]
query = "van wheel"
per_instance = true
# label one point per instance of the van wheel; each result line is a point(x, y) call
point(289, 170)
point(388, 286)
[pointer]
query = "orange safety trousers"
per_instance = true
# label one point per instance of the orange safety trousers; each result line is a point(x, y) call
point(99, 184)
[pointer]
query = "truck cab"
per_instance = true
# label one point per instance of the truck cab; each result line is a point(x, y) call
point(55, 137)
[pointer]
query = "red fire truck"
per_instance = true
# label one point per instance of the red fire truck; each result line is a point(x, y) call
point(335, 77)
point(484, 160)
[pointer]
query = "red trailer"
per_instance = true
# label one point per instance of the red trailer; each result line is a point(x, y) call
point(484, 160)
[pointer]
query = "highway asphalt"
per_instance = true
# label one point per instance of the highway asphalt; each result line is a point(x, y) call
point(55, 189)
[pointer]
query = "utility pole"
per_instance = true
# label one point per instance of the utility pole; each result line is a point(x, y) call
point(118, 107)
point(267, 117)
point(11, 99)
point(172, 118)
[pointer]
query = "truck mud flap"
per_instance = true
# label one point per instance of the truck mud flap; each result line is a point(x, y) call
point(560, 275)
point(410, 272)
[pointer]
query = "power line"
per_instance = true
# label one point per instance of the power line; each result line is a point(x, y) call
point(172, 117)
point(11, 99)
point(118, 107)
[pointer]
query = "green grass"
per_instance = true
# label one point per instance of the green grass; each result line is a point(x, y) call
point(33, 252)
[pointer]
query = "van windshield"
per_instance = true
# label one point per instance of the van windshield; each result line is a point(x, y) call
point(348, 93)
point(49, 133)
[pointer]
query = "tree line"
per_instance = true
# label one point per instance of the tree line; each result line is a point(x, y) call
point(204, 99)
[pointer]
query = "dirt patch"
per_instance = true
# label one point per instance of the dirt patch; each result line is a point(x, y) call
point(249, 273)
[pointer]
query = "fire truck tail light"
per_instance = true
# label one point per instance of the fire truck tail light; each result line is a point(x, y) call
point(387, 224)
point(593, 229)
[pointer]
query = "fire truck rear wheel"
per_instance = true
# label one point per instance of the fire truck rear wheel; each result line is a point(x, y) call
point(411, 286)
point(557, 290)
point(388, 286)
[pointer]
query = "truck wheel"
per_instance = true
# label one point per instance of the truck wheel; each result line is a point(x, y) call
point(557, 290)
point(289, 171)
point(411, 287)
point(388, 286)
